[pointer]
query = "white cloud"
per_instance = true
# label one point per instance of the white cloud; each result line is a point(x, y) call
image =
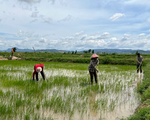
point(30, 1)
point(33, 21)
point(52, 1)
point(148, 19)
point(103, 36)
point(43, 40)
point(68, 18)
point(116, 16)
point(113, 38)
point(47, 20)
point(77, 34)
point(142, 34)
point(83, 37)
point(34, 14)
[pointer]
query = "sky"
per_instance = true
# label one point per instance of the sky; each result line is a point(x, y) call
point(75, 24)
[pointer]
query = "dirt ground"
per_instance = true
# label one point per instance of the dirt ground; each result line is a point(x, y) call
point(13, 58)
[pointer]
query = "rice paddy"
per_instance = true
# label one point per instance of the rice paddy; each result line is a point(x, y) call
point(67, 93)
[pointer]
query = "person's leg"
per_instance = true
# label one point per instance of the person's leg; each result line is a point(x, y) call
point(138, 68)
point(91, 76)
point(42, 73)
point(141, 69)
point(95, 76)
point(37, 76)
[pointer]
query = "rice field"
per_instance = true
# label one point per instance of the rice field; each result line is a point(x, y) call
point(67, 93)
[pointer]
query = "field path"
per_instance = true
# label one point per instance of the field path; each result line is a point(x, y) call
point(13, 58)
point(2, 58)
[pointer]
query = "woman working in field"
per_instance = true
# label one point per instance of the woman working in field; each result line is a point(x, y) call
point(38, 68)
point(92, 68)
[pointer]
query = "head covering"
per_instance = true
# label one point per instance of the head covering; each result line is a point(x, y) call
point(138, 53)
point(38, 69)
point(94, 56)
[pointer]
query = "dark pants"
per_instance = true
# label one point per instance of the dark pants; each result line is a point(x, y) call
point(12, 54)
point(42, 73)
point(139, 68)
point(95, 76)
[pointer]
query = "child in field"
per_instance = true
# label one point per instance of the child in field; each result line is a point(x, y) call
point(38, 68)
point(92, 68)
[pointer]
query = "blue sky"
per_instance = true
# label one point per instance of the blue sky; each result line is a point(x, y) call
point(75, 24)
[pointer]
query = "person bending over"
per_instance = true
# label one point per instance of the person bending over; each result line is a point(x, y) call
point(38, 68)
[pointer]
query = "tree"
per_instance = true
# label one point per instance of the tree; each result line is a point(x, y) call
point(76, 52)
point(92, 51)
point(85, 51)
point(72, 52)
point(68, 52)
point(89, 50)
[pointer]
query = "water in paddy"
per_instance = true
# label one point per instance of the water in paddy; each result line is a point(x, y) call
point(114, 97)
point(71, 96)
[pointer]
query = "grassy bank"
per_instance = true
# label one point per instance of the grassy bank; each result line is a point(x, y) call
point(105, 58)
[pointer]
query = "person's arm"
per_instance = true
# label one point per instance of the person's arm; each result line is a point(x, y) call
point(42, 66)
point(97, 62)
point(34, 74)
point(94, 66)
point(142, 60)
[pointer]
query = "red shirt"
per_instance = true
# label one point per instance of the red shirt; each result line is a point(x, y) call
point(36, 66)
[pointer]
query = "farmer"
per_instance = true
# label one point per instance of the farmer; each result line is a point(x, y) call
point(92, 68)
point(12, 52)
point(38, 68)
point(139, 62)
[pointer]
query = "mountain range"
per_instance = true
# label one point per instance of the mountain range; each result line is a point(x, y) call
point(123, 51)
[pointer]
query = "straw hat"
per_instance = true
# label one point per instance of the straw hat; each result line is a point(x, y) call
point(39, 69)
point(94, 56)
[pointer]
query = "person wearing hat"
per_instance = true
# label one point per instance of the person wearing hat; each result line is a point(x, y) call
point(38, 68)
point(139, 63)
point(92, 67)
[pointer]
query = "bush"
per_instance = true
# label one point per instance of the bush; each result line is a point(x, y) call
point(142, 114)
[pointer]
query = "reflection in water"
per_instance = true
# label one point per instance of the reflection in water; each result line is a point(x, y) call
point(92, 96)
point(139, 77)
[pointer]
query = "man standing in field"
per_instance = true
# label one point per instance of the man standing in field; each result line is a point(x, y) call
point(139, 62)
point(38, 68)
point(92, 68)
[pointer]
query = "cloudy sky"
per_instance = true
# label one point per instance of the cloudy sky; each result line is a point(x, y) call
point(75, 24)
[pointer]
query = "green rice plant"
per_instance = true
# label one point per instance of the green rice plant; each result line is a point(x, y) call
point(27, 117)
point(66, 90)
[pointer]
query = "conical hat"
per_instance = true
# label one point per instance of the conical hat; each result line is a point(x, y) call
point(38, 69)
point(94, 56)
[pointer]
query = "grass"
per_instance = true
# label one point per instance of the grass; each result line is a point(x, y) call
point(66, 93)
point(105, 58)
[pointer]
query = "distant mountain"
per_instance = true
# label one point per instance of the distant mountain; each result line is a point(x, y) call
point(122, 51)
point(39, 50)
